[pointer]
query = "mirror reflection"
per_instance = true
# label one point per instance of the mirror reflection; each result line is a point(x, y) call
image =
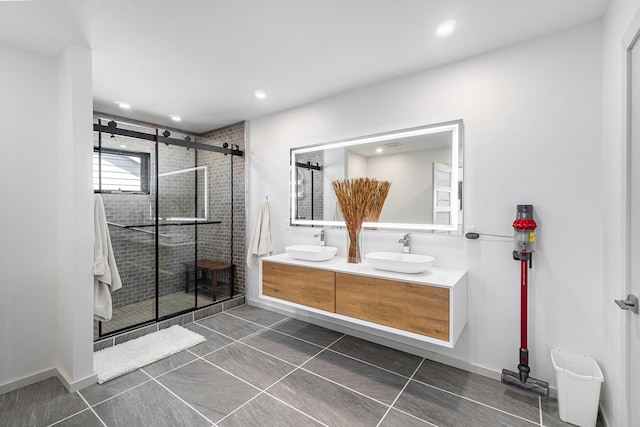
point(423, 164)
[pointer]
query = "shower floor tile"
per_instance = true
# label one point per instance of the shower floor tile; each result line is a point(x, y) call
point(144, 311)
point(259, 368)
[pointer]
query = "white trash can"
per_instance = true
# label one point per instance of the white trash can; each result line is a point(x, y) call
point(579, 379)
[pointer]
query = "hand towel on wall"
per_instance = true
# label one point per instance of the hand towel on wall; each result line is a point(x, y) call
point(261, 237)
point(105, 272)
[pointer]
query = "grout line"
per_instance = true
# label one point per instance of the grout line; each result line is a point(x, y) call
point(294, 408)
point(89, 409)
point(300, 339)
point(540, 409)
point(241, 406)
point(267, 388)
point(177, 367)
point(93, 410)
point(323, 349)
point(239, 341)
point(368, 363)
point(122, 392)
point(268, 354)
point(258, 324)
point(279, 380)
point(229, 373)
point(229, 337)
point(300, 367)
point(476, 402)
point(179, 398)
point(305, 362)
point(400, 393)
point(415, 417)
point(343, 386)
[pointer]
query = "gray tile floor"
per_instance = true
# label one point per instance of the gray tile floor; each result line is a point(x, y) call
point(259, 368)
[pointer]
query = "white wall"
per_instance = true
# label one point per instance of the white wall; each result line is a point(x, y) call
point(532, 115)
point(28, 167)
point(44, 294)
point(75, 217)
point(615, 24)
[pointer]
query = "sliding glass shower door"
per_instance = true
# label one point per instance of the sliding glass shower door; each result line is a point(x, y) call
point(123, 171)
point(169, 204)
point(179, 189)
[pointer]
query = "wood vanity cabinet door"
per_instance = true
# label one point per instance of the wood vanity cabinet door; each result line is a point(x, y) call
point(421, 309)
point(301, 285)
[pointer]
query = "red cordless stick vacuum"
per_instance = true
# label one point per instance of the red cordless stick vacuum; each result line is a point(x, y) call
point(524, 245)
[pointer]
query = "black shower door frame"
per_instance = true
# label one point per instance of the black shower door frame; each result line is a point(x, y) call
point(112, 129)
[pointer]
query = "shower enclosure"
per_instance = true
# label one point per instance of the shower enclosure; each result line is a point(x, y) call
point(168, 200)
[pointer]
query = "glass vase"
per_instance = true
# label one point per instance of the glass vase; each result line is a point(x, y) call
point(353, 252)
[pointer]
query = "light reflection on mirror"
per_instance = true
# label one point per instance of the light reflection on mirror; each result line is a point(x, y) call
point(424, 165)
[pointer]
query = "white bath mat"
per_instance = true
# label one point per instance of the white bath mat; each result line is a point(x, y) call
point(114, 361)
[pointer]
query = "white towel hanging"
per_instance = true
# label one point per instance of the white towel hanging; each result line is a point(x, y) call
point(261, 238)
point(105, 272)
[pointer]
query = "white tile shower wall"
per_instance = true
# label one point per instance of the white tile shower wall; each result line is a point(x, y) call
point(217, 241)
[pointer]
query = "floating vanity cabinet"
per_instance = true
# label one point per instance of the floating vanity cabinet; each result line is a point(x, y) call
point(410, 309)
point(300, 285)
point(421, 309)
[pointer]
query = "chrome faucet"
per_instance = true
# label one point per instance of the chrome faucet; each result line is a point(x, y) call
point(404, 239)
point(321, 235)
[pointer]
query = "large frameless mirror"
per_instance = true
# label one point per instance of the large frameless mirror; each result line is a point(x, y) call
point(423, 164)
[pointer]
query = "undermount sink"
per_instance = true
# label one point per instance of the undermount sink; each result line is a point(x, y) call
point(399, 262)
point(311, 252)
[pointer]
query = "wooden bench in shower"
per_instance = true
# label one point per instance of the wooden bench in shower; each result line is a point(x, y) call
point(206, 273)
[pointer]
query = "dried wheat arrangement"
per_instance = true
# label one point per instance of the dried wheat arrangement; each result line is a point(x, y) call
point(355, 197)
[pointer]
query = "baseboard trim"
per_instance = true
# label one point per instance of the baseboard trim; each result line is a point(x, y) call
point(76, 385)
point(49, 373)
point(26, 381)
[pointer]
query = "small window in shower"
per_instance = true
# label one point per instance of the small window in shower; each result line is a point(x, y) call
point(120, 171)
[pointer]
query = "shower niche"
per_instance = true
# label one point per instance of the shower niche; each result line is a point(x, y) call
point(168, 200)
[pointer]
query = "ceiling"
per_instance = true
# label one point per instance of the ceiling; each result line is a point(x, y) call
point(203, 59)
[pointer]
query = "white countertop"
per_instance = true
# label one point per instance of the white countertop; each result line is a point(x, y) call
point(436, 276)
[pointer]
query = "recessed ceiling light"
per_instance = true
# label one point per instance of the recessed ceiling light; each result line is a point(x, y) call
point(379, 150)
point(123, 105)
point(260, 94)
point(446, 28)
point(175, 118)
point(123, 146)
